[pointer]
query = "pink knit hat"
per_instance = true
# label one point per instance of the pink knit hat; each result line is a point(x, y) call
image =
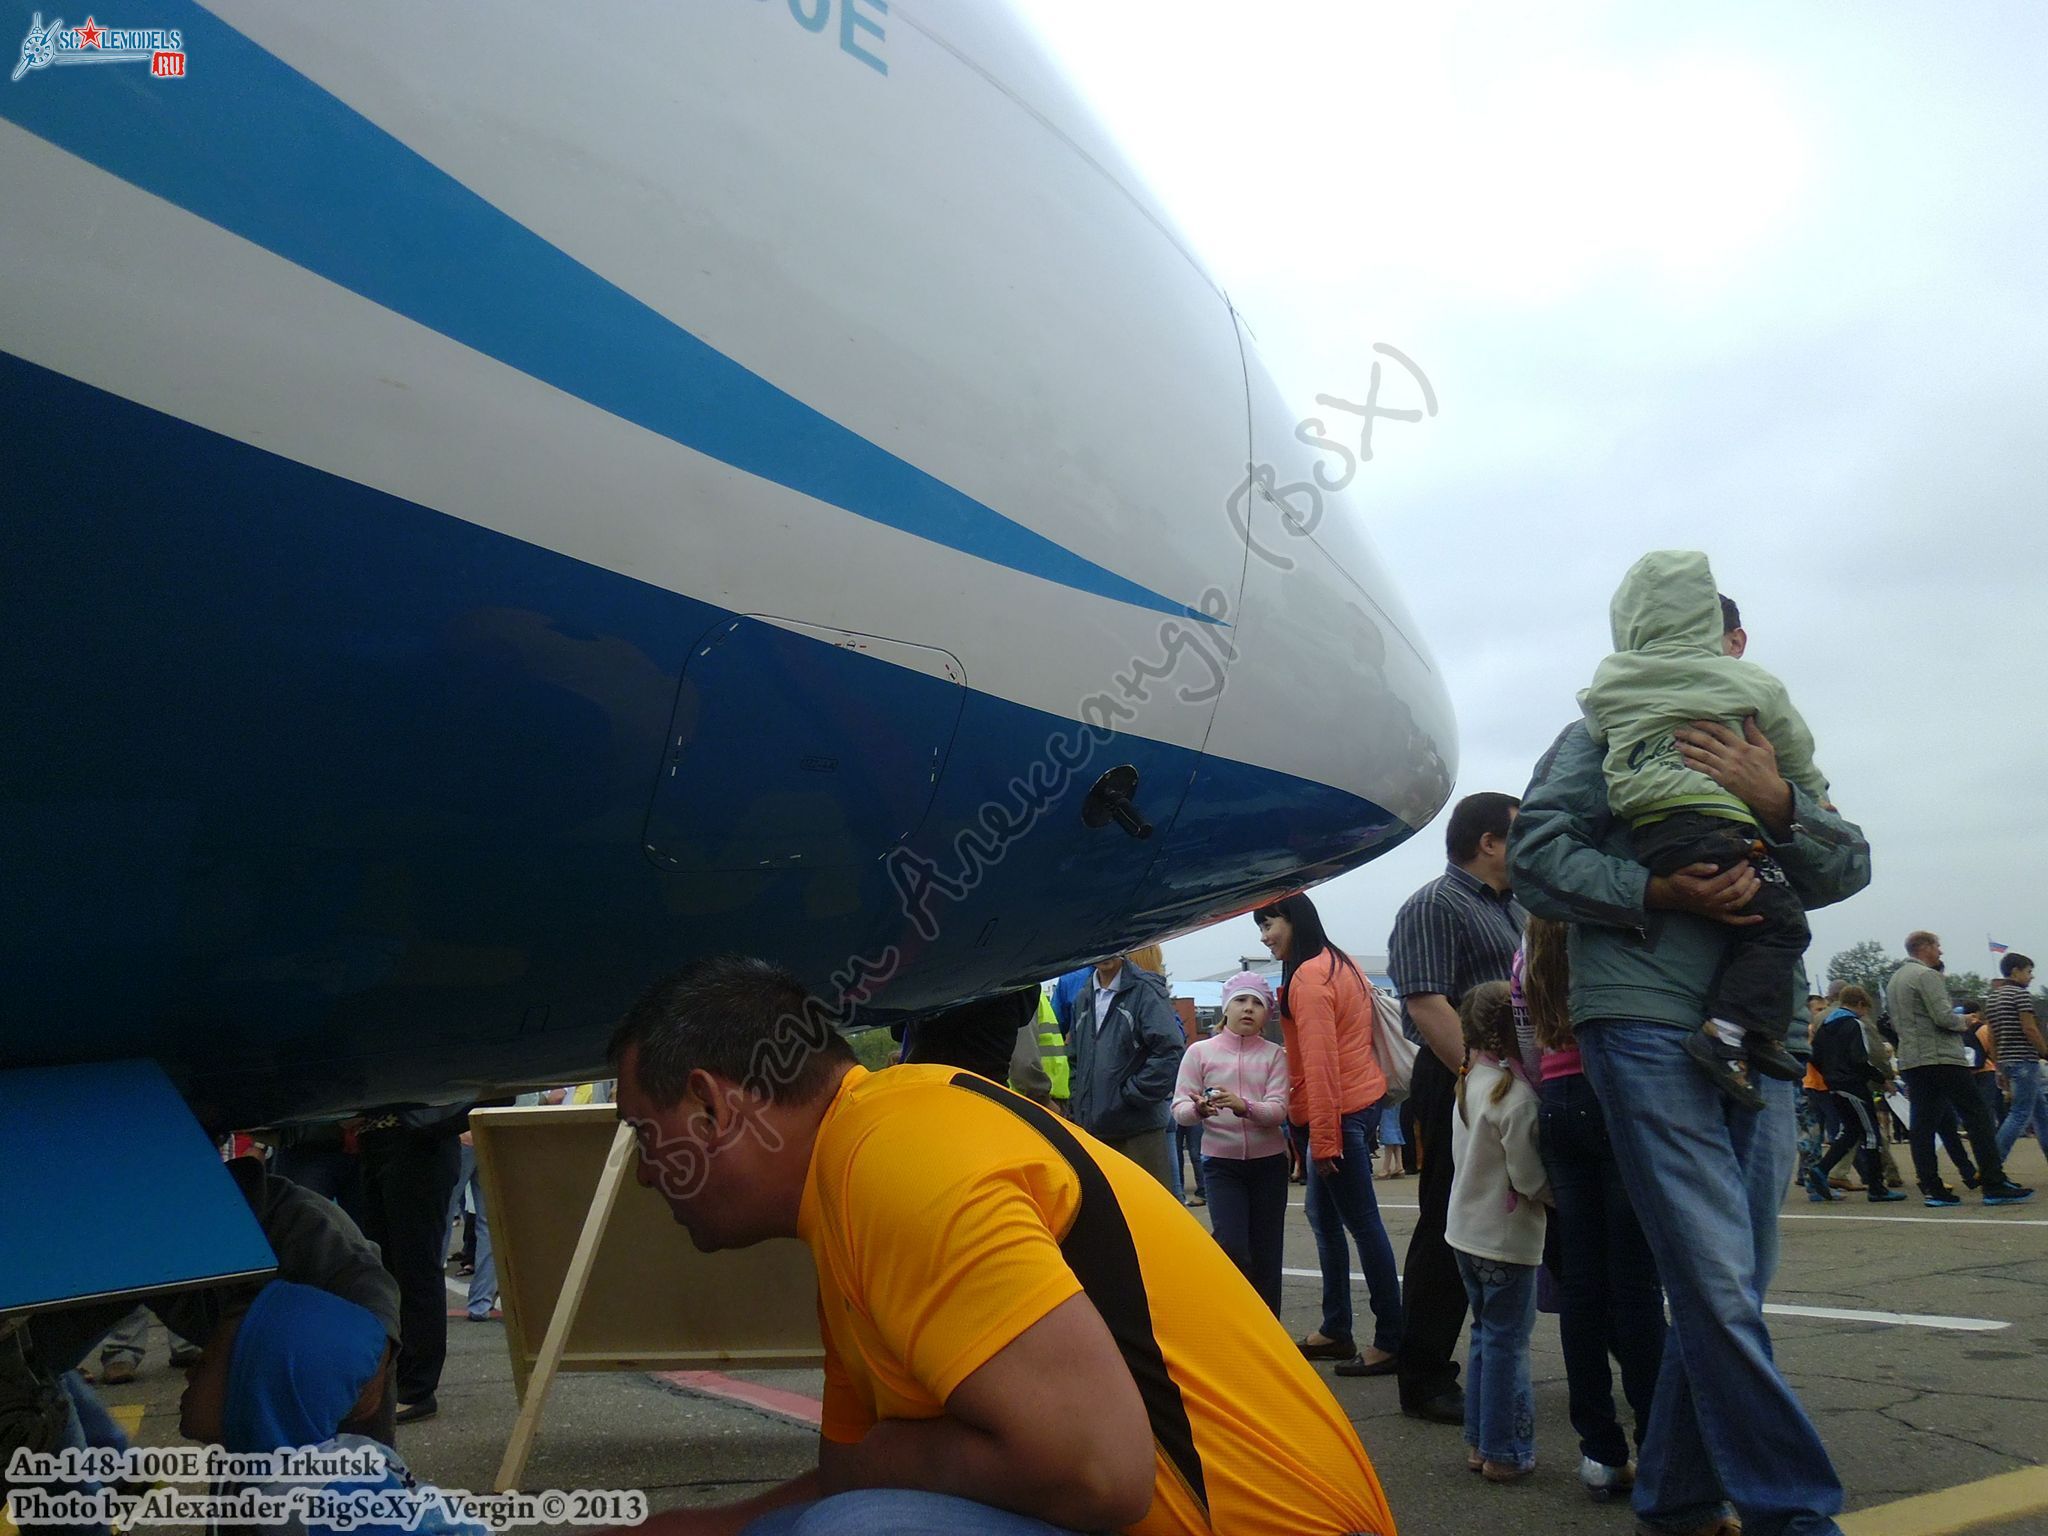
point(1252, 982)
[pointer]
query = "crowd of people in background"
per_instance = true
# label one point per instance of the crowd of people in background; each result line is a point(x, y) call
point(1594, 1053)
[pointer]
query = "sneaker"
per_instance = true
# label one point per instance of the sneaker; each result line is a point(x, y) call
point(2007, 1193)
point(185, 1356)
point(412, 1413)
point(1603, 1481)
point(1941, 1197)
point(1771, 1058)
point(1725, 1067)
point(1817, 1191)
point(1507, 1471)
point(1198, 1198)
point(1881, 1196)
point(118, 1371)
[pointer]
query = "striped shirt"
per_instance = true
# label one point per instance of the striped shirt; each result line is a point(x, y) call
point(2004, 1007)
point(1453, 934)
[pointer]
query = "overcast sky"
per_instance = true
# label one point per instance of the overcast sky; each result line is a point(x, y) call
point(1760, 279)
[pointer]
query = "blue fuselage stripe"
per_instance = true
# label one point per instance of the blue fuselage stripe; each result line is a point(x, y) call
point(248, 143)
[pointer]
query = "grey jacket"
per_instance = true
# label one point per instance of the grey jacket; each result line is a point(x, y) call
point(1930, 1034)
point(1569, 860)
point(1123, 1074)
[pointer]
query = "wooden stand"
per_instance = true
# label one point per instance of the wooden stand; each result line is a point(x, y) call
point(621, 1288)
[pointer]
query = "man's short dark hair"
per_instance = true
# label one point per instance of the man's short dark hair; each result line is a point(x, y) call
point(740, 1019)
point(1475, 816)
point(1815, 997)
point(1731, 616)
point(2013, 963)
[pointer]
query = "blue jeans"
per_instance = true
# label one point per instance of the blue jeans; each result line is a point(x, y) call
point(1500, 1404)
point(1610, 1298)
point(1187, 1143)
point(483, 1279)
point(897, 1512)
point(1706, 1178)
point(1344, 1201)
point(2028, 1105)
point(1248, 1215)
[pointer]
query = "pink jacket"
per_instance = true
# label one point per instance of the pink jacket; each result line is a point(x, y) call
point(1254, 1069)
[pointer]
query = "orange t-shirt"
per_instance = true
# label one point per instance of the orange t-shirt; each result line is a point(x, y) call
point(1814, 1080)
point(946, 1218)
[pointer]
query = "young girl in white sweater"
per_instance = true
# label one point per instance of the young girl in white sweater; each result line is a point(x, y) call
point(1234, 1085)
point(1498, 1197)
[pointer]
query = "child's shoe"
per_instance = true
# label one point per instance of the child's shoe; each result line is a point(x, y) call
point(1506, 1471)
point(1603, 1481)
point(1725, 1066)
point(1770, 1057)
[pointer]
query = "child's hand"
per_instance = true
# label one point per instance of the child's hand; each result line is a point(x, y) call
point(1225, 1099)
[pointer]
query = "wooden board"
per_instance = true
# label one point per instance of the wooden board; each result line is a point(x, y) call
point(653, 1301)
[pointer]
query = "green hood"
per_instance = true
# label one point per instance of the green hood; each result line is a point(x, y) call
point(1667, 670)
point(1667, 602)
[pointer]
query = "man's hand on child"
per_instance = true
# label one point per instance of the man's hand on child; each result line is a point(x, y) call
point(1698, 889)
point(1746, 766)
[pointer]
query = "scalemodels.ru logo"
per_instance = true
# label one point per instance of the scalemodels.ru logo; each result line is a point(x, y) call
point(161, 48)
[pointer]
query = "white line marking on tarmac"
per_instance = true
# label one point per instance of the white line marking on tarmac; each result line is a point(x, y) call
point(1893, 1319)
point(1943, 1221)
point(1843, 1314)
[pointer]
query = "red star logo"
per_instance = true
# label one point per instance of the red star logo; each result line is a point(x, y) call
point(89, 34)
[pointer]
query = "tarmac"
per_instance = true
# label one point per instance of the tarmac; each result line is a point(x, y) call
point(1917, 1339)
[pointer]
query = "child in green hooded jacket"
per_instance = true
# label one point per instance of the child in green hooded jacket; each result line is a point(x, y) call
point(1670, 669)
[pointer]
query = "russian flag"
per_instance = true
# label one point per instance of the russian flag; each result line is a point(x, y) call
point(1996, 947)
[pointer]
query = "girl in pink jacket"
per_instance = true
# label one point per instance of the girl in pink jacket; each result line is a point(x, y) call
point(1234, 1085)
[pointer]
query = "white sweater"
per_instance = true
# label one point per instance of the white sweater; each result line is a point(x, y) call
point(1499, 1190)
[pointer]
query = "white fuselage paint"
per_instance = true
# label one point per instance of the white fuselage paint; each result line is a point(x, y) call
point(1000, 305)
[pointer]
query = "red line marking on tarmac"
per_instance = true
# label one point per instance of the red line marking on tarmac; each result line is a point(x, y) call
point(794, 1406)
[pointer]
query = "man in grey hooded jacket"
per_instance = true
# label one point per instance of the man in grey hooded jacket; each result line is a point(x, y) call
point(1706, 1177)
point(1124, 1043)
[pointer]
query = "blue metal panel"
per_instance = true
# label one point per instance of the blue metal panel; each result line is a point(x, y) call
point(108, 1186)
point(815, 756)
point(322, 798)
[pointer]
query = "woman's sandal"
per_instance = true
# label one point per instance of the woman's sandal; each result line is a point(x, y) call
point(1329, 1349)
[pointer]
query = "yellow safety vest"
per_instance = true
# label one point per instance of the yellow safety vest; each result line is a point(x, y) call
point(1052, 1049)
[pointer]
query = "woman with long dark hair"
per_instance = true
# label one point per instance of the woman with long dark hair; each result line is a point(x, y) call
point(1334, 1090)
point(1609, 1297)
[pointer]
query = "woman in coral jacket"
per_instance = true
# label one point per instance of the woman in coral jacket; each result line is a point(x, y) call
point(1335, 1088)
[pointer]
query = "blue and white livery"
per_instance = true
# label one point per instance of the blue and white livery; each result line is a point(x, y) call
point(492, 515)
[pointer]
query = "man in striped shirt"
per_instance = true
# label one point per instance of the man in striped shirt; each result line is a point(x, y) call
point(1459, 930)
point(2018, 1043)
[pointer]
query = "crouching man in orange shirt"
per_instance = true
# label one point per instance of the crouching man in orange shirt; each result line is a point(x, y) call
point(1025, 1334)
